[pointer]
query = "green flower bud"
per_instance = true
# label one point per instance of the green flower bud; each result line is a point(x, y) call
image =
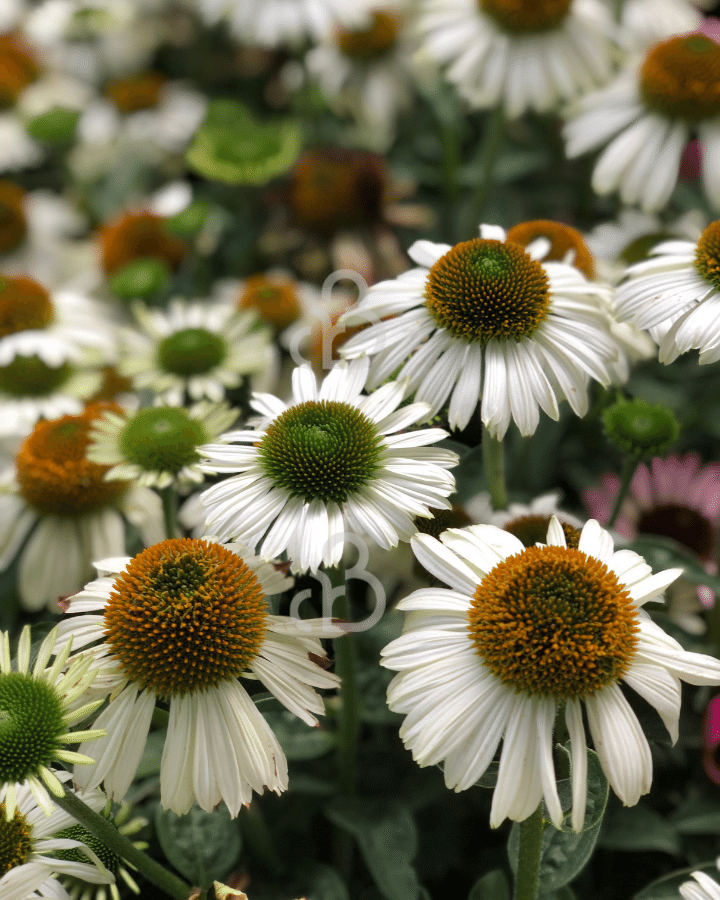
point(140, 278)
point(640, 429)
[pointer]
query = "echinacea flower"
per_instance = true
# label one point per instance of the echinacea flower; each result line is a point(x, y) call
point(523, 55)
point(194, 348)
point(209, 603)
point(275, 23)
point(487, 321)
point(678, 498)
point(648, 113)
point(702, 888)
point(36, 849)
point(520, 634)
point(676, 296)
point(61, 503)
point(366, 72)
point(38, 710)
point(157, 446)
point(329, 463)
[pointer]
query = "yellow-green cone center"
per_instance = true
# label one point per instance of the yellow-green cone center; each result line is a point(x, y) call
point(192, 351)
point(707, 255)
point(323, 450)
point(29, 376)
point(16, 843)
point(31, 722)
point(483, 290)
point(162, 439)
point(680, 77)
point(553, 621)
point(184, 616)
point(526, 16)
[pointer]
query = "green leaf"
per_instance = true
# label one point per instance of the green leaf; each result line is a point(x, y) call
point(565, 893)
point(325, 883)
point(297, 739)
point(641, 829)
point(697, 815)
point(152, 755)
point(564, 853)
point(493, 886)
point(202, 846)
point(387, 838)
point(667, 887)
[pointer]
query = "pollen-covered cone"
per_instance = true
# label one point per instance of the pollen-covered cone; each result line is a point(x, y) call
point(520, 634)
point(487, 320)
point(209, 604)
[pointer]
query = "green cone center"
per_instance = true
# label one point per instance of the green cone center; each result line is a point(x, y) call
point(163, 439)
point(321, 449)
point(31, 722)
point(192, 351)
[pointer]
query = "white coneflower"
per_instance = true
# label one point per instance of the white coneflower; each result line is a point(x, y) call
point(488, 321)
point(521, 634)
point(329, 463)
point(197, 348)
point(36, 849)
point(209, 603)
point(157, 447)
point(676, 296)
point(58, 501)
point(523, 55)
point(702, 888)
point(38, 708)
point(648, 114)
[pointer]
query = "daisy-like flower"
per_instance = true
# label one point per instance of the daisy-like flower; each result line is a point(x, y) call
point(78, 888)
point(327, 464)
point(677, 498)
point(486, 320)
point(366, 71)
point(157, 447)
point(702, 888)
point(194, 348)
point(676, 295)
point(275, 23)
point(529, 522)
point(38, 710)
point(209, 602)
point(520, 634)
point(36, 848)
point(649, 113)
point(60, 502)
point(620, 243)
point(568, 245)
point(522, 54)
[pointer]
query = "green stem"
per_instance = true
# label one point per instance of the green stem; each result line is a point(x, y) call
point(170, 510)
point(629, 467)
point(494, 467)
point(492, 136)
point(349, 719)
point(122, 846)
point(528, 874)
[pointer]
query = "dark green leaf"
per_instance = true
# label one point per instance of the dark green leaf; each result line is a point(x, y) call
point(297, 740)
point(325, 883)
point(639, 828)
point(202, 846)
point(564, 853)
point(493, 886)
point(152, 755)
point(386, 835)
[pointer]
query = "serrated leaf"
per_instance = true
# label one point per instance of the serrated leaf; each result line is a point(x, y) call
point(641, 829)
point(387, 838)
point(493, 886)
point(202, 846)
point(298, 740)
point(564, 853)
